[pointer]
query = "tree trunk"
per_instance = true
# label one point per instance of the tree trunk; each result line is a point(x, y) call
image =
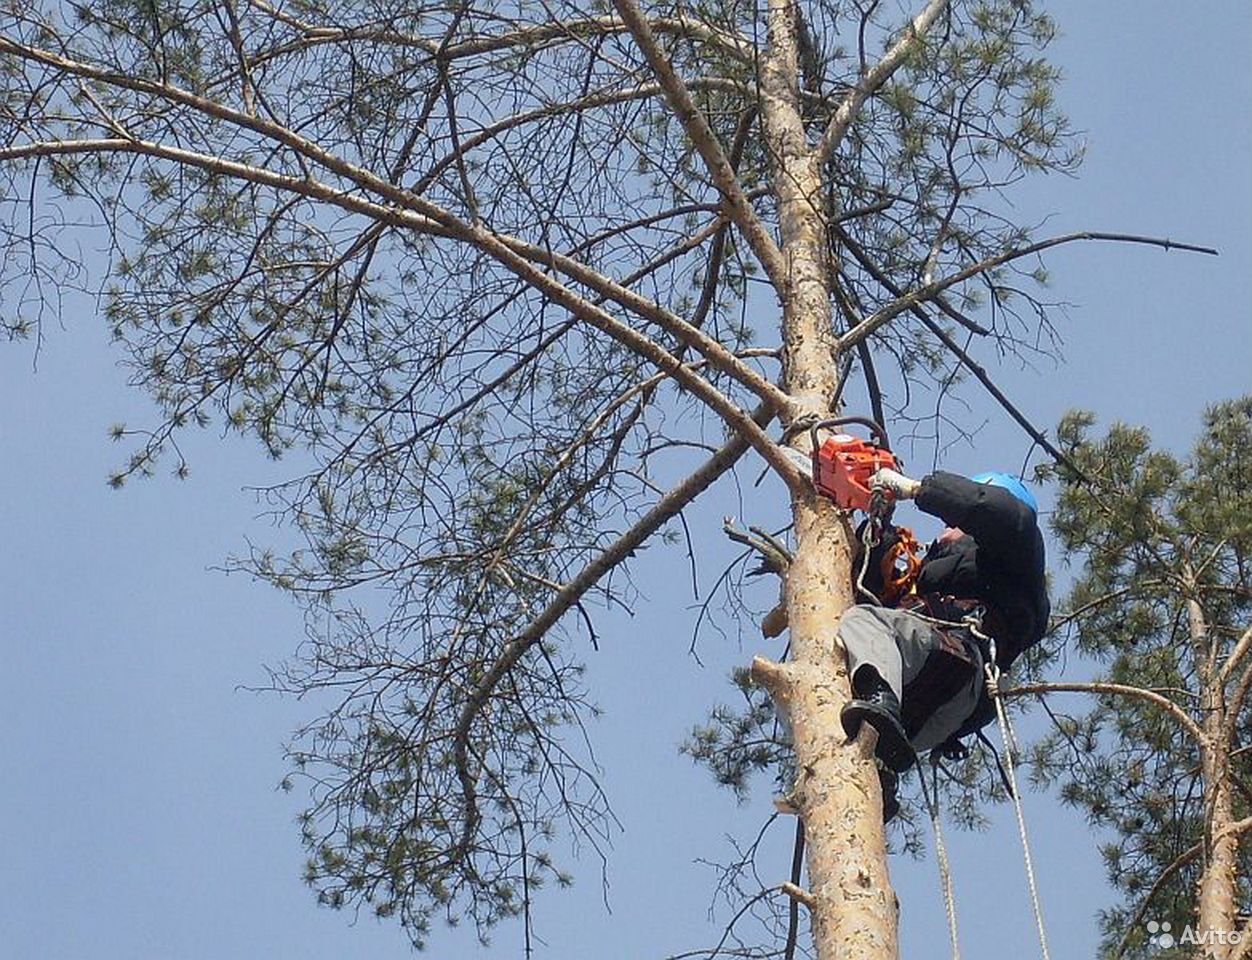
point(853, 906)
point(854, 909)
point(1217, 907)
point(1217, 898)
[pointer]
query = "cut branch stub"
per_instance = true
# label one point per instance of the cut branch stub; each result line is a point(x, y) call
point(774, 677)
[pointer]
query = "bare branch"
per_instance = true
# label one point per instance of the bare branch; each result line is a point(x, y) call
point(1121, 690)
point(962, 355)
point(526, 38)
point(931, 290)
point(1236, 656)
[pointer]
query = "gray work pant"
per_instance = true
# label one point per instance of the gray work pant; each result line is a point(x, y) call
point(896, 643)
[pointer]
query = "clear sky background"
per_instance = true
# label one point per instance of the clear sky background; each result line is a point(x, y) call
point(139, 815)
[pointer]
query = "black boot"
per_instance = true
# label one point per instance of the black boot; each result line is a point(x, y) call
point(889, 781)
point(877, 705)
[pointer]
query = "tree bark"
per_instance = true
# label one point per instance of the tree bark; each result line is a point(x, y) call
point(853, 909)
point(852, 905)
point(1217, 907)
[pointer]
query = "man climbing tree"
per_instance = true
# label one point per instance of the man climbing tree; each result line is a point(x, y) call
point(491, 267)
point(980, 597)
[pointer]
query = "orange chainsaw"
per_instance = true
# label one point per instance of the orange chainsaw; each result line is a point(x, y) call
point(842, 467)
point(843, 464)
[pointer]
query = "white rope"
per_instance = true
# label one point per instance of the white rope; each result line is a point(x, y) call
point(941, 856)
point(1006, 735)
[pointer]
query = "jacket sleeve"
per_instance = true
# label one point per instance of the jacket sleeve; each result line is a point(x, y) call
point(1003, 527)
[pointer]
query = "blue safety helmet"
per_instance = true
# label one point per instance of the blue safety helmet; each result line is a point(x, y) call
point(1012, 485)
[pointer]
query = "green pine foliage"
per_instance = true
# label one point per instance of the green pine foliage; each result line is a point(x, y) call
point(465, 448)
point(1150, 532)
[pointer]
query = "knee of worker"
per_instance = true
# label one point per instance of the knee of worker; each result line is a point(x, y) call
point(870, 640)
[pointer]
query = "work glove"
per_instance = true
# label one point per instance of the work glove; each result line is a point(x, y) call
point(897, 484)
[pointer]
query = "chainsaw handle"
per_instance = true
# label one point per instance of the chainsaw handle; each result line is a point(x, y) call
point(875, 428)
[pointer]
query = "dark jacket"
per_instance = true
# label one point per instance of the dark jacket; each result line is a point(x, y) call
point(1000, 563)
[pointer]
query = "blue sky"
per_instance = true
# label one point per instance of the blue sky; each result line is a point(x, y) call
point(139, 814)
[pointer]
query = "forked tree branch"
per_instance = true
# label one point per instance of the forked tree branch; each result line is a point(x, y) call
point(366, 180)
point(428, 211)
point(510, 253)
point(873, 80)
point(706, 143)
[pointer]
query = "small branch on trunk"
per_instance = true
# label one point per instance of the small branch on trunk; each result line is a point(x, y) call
point(799, 895)
point(776, 556)
point(1236, 828)
point(774, 678)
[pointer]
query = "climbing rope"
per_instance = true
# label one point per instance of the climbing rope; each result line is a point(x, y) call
point(1010, 744)
point(941, 857)
point(871, 532)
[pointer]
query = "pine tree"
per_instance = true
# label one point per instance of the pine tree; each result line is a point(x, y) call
point(502, 271)
point(1163, 604)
